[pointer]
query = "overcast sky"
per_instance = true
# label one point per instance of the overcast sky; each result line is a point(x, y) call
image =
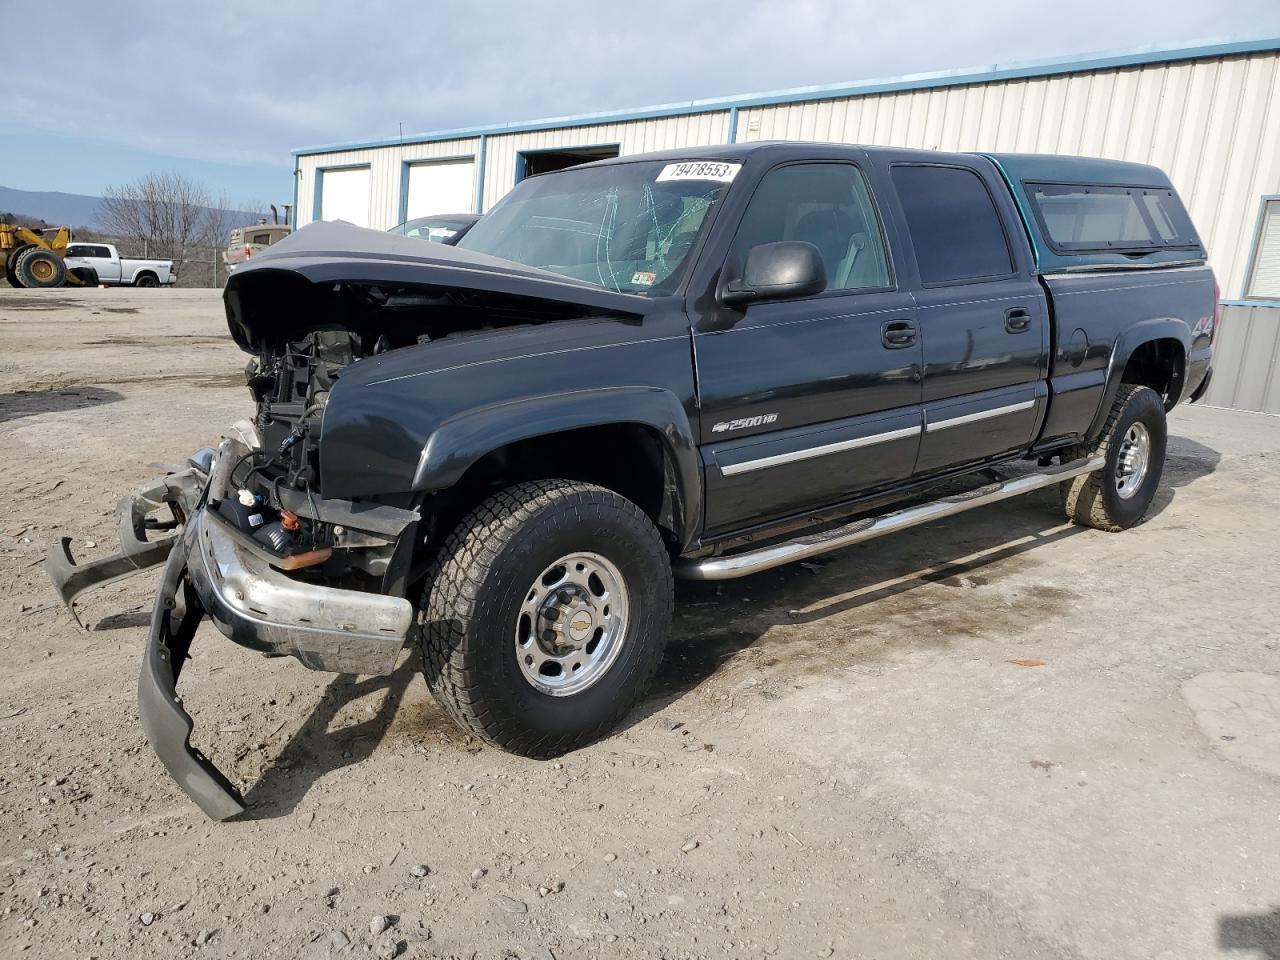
point(224, 90)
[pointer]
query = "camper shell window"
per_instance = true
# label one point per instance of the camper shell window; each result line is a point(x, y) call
point(1086, 218)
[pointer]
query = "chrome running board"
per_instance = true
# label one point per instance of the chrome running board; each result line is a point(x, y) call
point(868, 528)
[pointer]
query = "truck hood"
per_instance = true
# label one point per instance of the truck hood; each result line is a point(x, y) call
point(264, 298)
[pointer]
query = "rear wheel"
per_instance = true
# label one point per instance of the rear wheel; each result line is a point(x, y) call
point(10, 273)
point(546, 616)
point(1133, 442)
point(40, 269)
point(147, 280)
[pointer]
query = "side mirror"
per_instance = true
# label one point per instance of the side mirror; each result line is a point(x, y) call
point(783, 270)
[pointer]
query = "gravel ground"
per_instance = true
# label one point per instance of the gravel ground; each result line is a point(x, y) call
point(839, 759)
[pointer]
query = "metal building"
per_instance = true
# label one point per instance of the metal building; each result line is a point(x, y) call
point(1209, 115)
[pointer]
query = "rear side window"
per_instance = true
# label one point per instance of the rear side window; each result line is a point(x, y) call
point(1077, 218)
point(955, 228)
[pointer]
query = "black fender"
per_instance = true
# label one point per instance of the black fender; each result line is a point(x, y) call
point(1129, 340)
point(457, 443)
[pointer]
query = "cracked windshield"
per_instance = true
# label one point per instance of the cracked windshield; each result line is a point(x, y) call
point(628, 227)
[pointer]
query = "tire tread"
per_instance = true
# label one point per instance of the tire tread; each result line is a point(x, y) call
point(452, 606)
point(1082, 496)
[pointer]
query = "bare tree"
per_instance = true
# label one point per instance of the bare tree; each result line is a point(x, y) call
point(167, 215)
point(163, 211)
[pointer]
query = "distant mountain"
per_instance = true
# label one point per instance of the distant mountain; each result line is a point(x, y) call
point(71, 209)
point(55, 209)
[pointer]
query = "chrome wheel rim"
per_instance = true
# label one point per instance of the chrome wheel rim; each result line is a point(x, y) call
point(1133, 460)
point(571, 624)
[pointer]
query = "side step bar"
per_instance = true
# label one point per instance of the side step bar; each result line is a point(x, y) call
point(868, 528)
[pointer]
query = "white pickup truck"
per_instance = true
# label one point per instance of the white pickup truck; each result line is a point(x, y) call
point(109, 268)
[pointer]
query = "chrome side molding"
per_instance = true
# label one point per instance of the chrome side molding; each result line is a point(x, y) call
point(808, 453)
point(935, 425)
point(868, 528)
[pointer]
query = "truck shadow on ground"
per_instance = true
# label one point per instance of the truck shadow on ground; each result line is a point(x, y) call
point(313, 751)
point(1258, 932)
point(717, 622)
point(29, 403)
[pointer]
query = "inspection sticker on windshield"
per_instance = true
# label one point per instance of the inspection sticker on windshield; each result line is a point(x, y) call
point(700, 170)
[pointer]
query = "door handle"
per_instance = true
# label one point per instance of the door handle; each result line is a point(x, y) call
point(1017, 320)
point(897, 334)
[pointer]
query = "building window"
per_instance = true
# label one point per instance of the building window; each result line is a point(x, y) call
point(1264, 271)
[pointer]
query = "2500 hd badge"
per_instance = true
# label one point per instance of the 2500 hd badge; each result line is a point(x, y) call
point(498, 454)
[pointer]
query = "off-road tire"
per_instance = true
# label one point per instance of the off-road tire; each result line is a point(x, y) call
point(10, 273)
point(1092, 499)
point(147, 280)
point(470, 606)
point(28, 263)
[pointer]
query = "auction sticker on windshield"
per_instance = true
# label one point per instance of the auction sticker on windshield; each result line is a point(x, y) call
point(700, 170)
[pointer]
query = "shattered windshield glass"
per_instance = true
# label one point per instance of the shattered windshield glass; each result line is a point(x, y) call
point(628, 227)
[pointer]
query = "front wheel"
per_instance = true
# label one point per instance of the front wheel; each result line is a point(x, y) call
point(40, 269)
point(546, 615)
point(87, 276)
point(11, 262)
point(1133, 443)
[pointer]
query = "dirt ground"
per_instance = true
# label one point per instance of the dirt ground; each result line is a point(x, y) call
point(839, 759)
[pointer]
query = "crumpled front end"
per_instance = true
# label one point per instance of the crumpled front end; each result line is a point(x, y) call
point(250, 590)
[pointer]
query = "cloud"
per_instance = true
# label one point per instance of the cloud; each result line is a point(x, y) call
point(244, 82)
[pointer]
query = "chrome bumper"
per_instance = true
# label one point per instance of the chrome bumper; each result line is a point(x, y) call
point(342, 631)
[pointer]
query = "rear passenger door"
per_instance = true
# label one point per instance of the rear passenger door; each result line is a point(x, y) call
point(805, 402)
point(96, 256)
point(983, 318)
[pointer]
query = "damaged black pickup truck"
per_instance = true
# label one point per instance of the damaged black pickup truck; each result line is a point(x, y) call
point(708, 362)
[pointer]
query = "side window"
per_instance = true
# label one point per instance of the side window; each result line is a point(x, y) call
point(955, 228)
point(1092, 217)
point(828, 205)
point(1264, 273)
point(102, 252)
point(77, 251)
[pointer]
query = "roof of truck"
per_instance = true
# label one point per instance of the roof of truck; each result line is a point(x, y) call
point(1025, 174)
point(1054, 168)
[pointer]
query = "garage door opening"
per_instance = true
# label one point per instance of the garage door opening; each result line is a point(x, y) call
point(530, 163)
point(439, 187)
point(344, 195)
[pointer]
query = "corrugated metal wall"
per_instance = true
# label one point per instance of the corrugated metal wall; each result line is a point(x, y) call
point(1246, 360)
point(386, 168)
point(637, 136)
point(1213, 125)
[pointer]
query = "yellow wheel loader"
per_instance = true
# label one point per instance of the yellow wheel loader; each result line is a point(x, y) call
point(32, 260)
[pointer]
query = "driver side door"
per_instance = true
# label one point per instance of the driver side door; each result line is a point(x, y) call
point(811, 401)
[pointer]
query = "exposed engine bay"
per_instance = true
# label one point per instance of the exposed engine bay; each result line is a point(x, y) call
point(276, 493)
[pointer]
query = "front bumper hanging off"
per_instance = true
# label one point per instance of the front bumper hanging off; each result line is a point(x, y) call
point(213, 570)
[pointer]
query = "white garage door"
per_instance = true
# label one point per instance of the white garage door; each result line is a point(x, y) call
point(444, 187)
point(344, 195)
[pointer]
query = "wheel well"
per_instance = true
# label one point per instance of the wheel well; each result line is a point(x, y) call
point(1160, 365)
point(145, 273)
point(627, 458)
